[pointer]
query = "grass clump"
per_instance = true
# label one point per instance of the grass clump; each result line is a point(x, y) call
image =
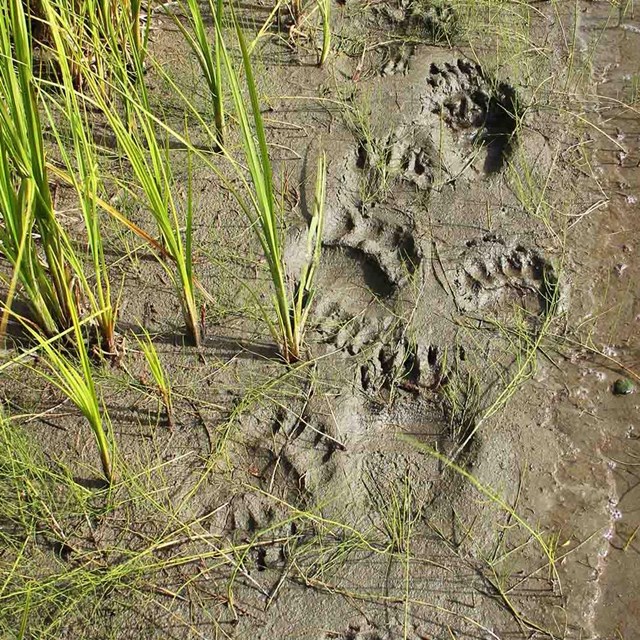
point(436, 19)
point(49, 271)
point(208, 55)
point(291, 301)
point(138, 137)
point(379, 174)
point(83, 173)
point(72, 374)
point(398, 510)
point(90, 28)
point(31, 238)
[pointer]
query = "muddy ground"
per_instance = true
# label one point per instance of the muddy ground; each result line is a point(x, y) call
point(476, 301)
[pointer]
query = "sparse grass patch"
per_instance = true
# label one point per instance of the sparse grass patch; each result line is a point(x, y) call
point(374, 150)
point(398, 510)
point(438, 18)
point(525, 337)
point(462, 394)
point(533, 189)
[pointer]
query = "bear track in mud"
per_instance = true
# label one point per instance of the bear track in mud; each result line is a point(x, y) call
point(391, 246)
point(397, 62)
point(466, 99)
point(459, 101)
point(491, 271)
point(413, 157)
point(300, 444)
point(437, 22)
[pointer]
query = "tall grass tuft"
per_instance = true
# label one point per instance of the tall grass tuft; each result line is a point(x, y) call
point(83, 172)
point(292, 300)
point(138, 138)
point(26, 201)
point(208, 55)
point(90, 26)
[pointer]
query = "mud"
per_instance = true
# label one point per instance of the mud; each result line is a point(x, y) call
point(438, 277)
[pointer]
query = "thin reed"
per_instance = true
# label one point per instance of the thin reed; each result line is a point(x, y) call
point(160, 377)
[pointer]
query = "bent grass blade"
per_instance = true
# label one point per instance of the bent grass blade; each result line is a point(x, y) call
point(74, 378)
point(158, 373)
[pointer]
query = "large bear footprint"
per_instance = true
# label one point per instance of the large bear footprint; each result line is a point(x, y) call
point(491, 271)
point(388, 243)
point(460, 110)
point(466, 99)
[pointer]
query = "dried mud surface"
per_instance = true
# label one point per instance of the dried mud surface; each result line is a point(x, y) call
point(431, 264)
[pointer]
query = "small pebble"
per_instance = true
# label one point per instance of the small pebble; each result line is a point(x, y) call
point(622, 387)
